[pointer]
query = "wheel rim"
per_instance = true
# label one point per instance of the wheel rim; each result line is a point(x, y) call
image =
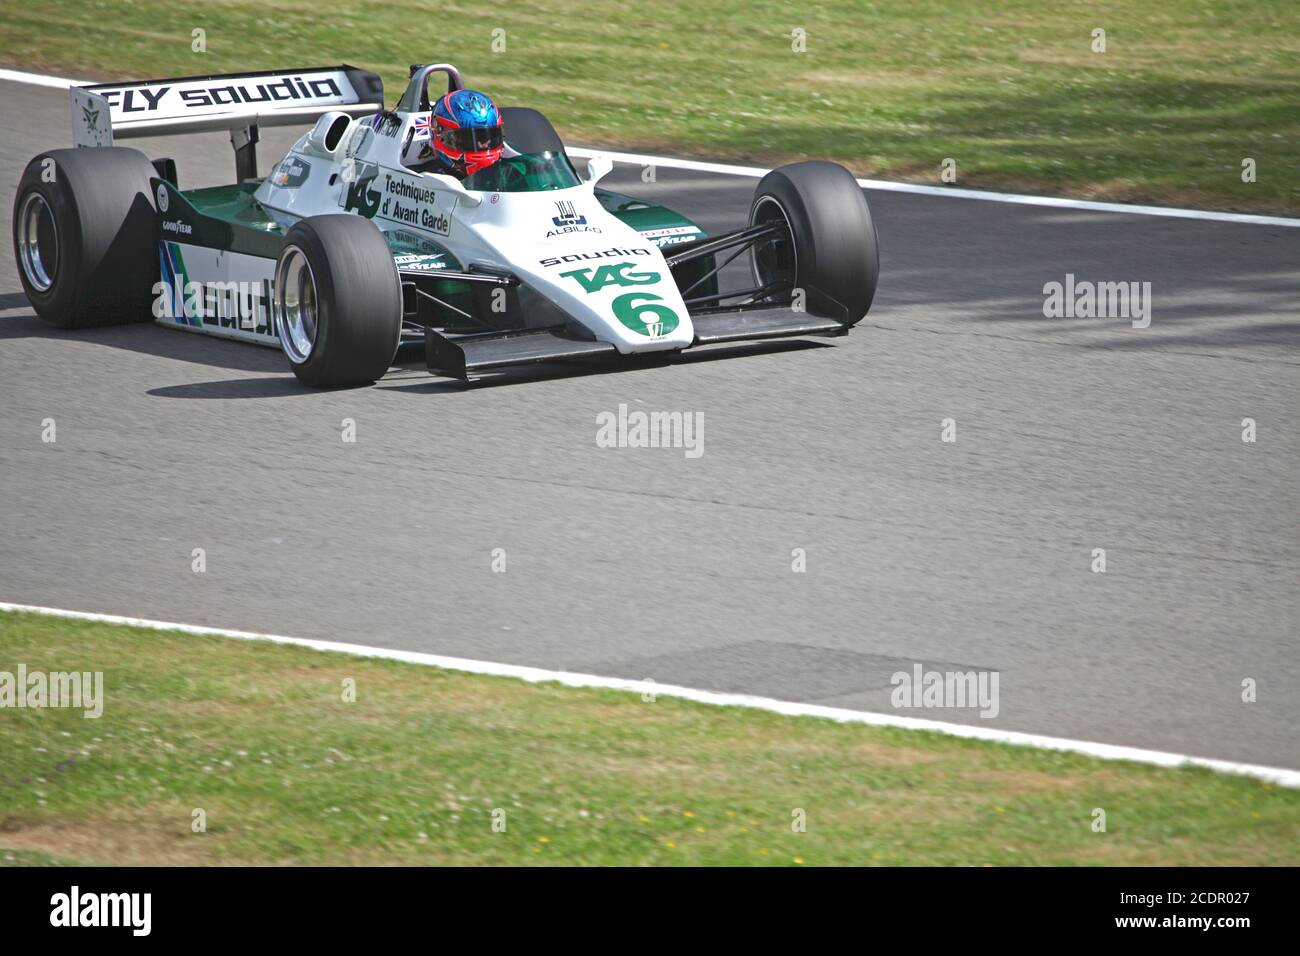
point(38, 242)
point(774, 260)
point(296, 317)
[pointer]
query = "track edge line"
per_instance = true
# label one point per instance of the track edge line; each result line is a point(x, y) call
point(1275, 775)
point(884, 185)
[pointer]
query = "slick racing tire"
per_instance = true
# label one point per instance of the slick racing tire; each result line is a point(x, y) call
point(834, 257)
point(337, 301)
point(86, 236)
point(528, 131)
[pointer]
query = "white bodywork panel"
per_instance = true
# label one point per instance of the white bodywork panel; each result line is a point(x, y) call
point(104, 112)
point(561, 242)
point(214, 291)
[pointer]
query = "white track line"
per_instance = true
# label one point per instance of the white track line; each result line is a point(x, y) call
point(951, 192)
point(40, 79)
point(1274, 775)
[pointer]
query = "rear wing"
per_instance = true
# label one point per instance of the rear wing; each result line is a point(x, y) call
point(238, 102)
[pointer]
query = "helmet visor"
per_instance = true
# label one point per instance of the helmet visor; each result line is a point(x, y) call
point(471, 139)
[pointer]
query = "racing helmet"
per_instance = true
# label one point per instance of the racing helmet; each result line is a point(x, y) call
point(467, 131)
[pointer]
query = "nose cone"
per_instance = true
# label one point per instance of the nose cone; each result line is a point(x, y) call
point(592, 265)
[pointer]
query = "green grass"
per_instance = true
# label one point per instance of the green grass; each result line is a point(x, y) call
point(259, 737)
point(1010, 89)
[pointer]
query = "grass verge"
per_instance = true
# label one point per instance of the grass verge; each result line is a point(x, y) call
point(259, 737)
point(1012, 90)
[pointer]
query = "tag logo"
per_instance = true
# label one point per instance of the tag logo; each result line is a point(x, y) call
point(643, 312)
point(363, 199)
point(593, 280)
point(360, 196)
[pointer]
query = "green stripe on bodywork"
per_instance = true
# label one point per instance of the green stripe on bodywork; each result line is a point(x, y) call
point(403, 242)
point(640, 215)
point(222, 217)
point(643, 217)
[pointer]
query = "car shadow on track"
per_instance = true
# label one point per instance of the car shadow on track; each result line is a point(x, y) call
point(17, 321)
point(280, 386)
point(408, 374)
point(545, 372)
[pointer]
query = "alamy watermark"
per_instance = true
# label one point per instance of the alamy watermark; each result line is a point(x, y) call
point(82, 690)
point(1082, 299)
point(75, 908)
point(242, 305)
point(638, 429)
point(942, 689)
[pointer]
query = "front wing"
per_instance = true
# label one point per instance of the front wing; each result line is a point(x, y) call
point(513, 338)
point(461, 356)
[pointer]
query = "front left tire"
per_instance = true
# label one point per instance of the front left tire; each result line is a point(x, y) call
point(337, 301)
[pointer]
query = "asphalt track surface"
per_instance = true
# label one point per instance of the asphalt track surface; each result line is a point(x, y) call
point(1072, 434)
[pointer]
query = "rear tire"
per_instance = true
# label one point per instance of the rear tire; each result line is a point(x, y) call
point(86, 236)
point(337, 301)
point(836, 257)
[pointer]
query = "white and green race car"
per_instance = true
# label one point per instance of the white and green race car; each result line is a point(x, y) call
point(345, 253)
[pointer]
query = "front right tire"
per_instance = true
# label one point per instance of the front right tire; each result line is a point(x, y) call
point(337, 301)
point(832, 254)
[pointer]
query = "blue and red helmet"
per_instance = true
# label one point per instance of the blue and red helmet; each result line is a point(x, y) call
point(467, 131)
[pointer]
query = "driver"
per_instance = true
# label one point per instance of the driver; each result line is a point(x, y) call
point(466, 134)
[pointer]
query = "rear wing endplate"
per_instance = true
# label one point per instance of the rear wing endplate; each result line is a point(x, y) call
point(238, 102)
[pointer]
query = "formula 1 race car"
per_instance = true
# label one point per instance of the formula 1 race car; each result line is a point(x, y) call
point(345, 252)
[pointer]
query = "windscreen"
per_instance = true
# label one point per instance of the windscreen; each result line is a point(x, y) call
point(525, 173)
